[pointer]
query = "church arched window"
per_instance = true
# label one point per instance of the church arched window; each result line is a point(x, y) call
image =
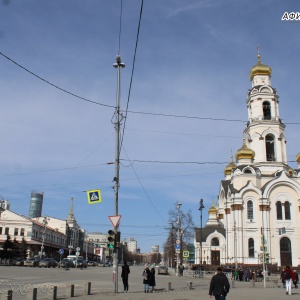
point(287, 210)
point(215, 242)
point(270, 147)
point(251, 247)
point(285, 244)
point(267, 110)
point(279, 210)
point(250, 210)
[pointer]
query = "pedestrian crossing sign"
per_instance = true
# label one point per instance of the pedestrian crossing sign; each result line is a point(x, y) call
point(94, 196)
point(185, 254)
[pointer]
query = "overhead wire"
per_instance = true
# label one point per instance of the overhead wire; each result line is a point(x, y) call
point(140, 182)
point(129, 111)
point(54, 85)
point(132, 72)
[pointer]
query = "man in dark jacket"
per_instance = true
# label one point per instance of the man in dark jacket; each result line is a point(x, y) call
point(124, 275)
point(219, 285)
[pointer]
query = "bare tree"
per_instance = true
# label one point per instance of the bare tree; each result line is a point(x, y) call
point(186, 232)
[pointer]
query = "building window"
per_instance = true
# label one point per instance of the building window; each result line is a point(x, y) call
point(287, 210)
point(251, 247)
point(16, 231)
point(22, 232)
point(6, 230)
point(279, 210)
point(285, 245)
point(250, 210)
point(267, 110)
point(0, 230)
point(215, 242)
point(270, 149)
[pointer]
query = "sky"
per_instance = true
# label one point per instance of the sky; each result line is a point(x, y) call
point(192, 60)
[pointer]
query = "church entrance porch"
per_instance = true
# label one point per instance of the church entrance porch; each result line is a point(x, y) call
point(215, 258)
point(285, 252)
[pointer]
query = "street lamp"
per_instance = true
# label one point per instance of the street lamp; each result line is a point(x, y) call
point(45, 222)
point(178, 236)
point(201, 208)
point(172, 245)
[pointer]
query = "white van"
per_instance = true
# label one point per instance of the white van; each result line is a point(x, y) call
point(73, 258)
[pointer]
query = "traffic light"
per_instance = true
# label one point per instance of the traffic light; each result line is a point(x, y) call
point(267, 258)
point(113, 239)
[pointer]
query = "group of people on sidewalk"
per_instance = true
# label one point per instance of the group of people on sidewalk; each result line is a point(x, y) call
point(219, 285)
point(148, 278)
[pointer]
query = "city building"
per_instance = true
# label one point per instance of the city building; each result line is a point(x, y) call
point(4, 204)
point(45, 236)
point(155, 248)
point(259, 199)
point(100, 242)
point(36, 204)
point(35, 233)
point(132, 245)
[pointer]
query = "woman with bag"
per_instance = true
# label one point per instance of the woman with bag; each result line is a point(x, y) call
point(146, 276)
point(152, 279)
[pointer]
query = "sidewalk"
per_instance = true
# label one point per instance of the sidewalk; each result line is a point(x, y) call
point(181, 291)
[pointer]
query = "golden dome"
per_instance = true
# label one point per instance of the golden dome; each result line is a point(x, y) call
point(244, 152)
point(228, 168)
point(298, 157)
point(260, 69)
point(212, 209)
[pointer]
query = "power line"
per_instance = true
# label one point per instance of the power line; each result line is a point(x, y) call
point(132, 72)
point(130, 111)
point(139, 180)
point(54, 85)
point(176, 162)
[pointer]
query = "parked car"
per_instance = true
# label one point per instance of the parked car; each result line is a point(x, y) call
point(107, 264)
point(19, 262)
point(48, 262)
point(92, 263)
point(81, 263)
point(162, 270)
point(66, 263)
point(32, 262)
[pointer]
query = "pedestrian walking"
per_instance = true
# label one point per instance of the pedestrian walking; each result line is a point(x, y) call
point(282, 278)
point(289, 277)
point(219, 285)
point(152, 283)
point(146, 275)
point(296, 279)
point(124, 275)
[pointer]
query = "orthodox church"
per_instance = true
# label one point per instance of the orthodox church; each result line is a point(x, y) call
point(257, 216)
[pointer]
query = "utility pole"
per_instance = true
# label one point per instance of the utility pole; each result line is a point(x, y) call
point(118, 65)
point(178, 238)
point(201, 208)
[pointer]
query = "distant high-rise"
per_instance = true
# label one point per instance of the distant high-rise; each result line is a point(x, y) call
point(36, 204)
point(4, 204)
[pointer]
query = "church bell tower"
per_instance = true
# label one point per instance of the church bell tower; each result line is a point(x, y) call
point(265, 131)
